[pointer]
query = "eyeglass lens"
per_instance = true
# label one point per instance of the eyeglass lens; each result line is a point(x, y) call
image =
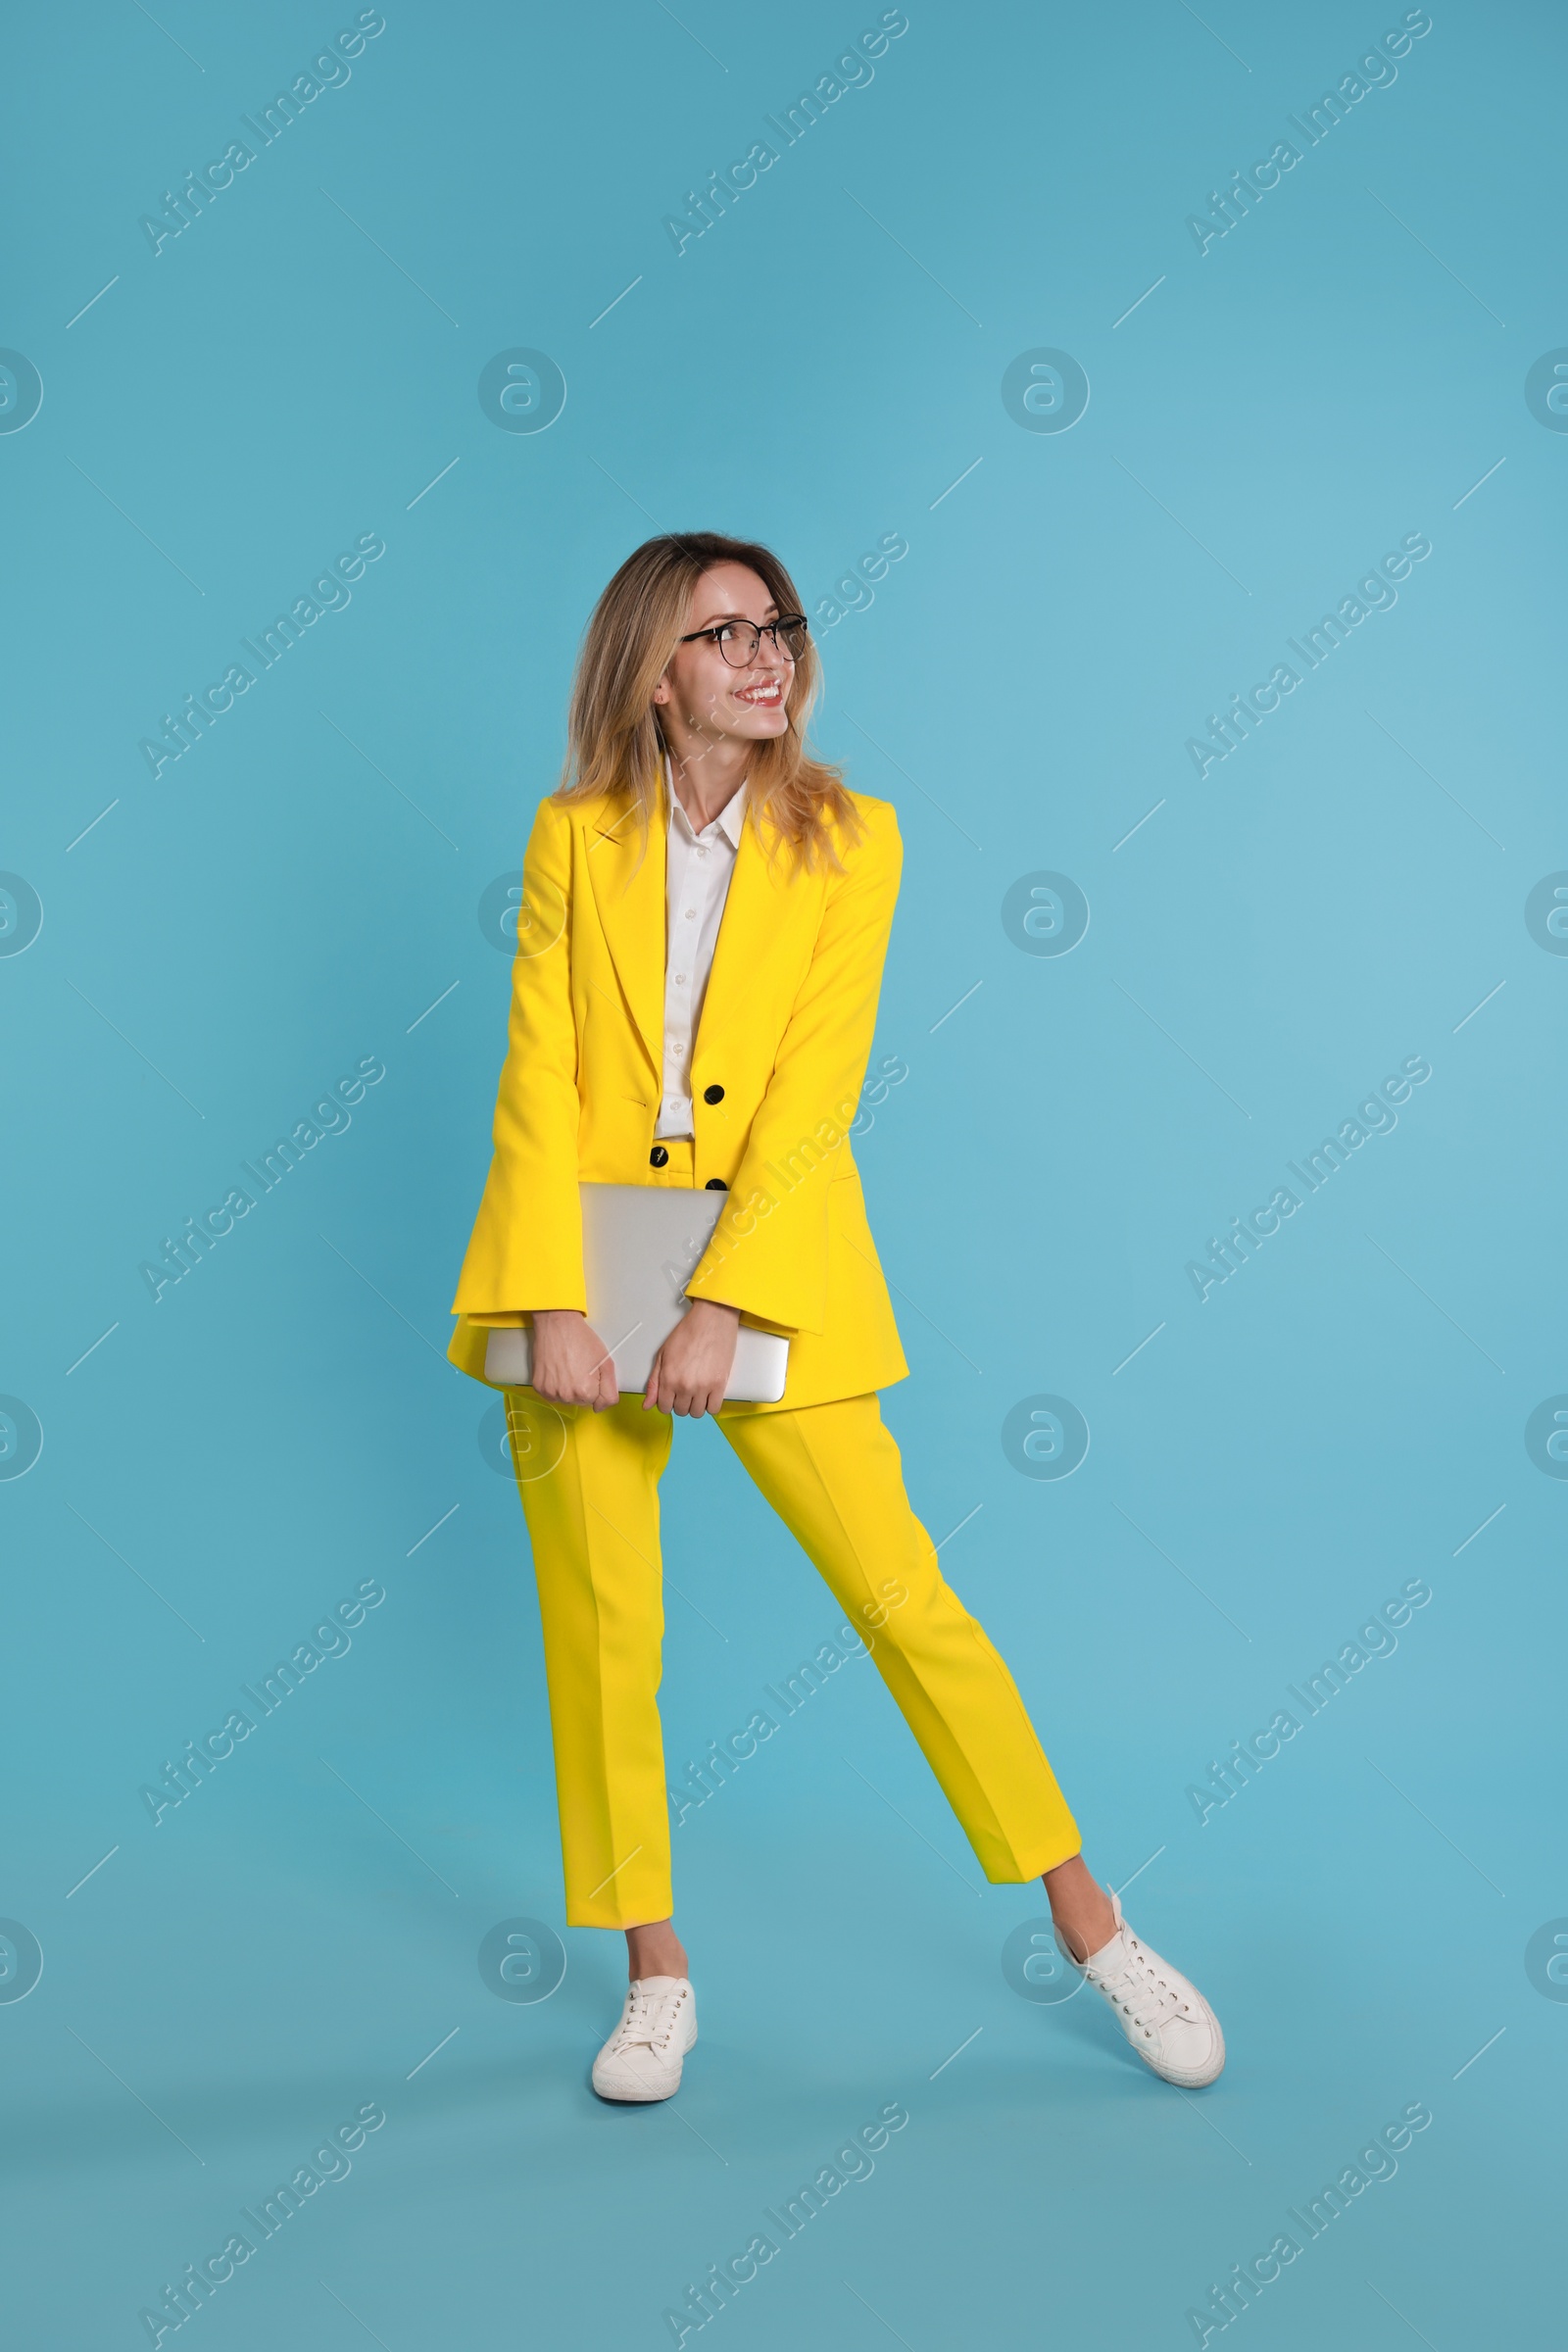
point(739, 639)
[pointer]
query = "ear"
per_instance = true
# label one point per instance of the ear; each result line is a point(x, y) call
point(662, 691)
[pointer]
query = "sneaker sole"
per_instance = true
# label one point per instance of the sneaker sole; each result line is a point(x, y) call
point(643, 2098)
point(1190, 2081)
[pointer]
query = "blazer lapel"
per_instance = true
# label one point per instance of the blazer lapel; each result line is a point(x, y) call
point(767, 909)
point(627, 875)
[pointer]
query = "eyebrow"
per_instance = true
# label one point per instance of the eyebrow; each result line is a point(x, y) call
point(714, 618)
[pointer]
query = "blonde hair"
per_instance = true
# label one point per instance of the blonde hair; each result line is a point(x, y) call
point(614, 742)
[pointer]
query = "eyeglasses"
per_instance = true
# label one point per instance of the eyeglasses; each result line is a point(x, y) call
point(740, 641)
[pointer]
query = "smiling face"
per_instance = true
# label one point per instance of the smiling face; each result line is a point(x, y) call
point(701, 692)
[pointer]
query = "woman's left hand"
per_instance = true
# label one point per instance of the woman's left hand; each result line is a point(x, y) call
point(691, 1371)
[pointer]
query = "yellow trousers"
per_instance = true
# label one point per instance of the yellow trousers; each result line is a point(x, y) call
point(590, 1491)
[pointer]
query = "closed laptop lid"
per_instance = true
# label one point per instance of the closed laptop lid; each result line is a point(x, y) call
point(641, 1244)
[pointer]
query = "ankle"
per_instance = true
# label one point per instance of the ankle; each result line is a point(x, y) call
point(655, 1950)
point(1080, 1909)
point(1085, 1935)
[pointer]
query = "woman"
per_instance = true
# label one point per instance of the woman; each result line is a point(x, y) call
point(706, 913)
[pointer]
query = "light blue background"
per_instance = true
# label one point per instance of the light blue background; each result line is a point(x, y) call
point(301, 888)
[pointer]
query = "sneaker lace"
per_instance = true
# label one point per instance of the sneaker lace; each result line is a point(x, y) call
point(650, 2020)
point(1140, 1991)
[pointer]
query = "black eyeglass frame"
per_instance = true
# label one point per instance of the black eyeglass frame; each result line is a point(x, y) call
point(768, 629)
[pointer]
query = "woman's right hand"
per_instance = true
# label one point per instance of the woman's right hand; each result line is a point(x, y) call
point(572, 1365)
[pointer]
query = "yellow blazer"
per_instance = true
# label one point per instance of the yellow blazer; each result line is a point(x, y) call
point(786, 1029)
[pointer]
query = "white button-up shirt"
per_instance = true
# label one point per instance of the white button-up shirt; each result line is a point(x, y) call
point(698, 868)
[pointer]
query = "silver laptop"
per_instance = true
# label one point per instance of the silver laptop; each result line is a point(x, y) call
point(641, 1244)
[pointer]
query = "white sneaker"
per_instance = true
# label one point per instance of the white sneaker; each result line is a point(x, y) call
point(642, 2058)
point(1166, 2019)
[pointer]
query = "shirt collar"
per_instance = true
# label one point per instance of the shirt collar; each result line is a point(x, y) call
point(730, 818)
